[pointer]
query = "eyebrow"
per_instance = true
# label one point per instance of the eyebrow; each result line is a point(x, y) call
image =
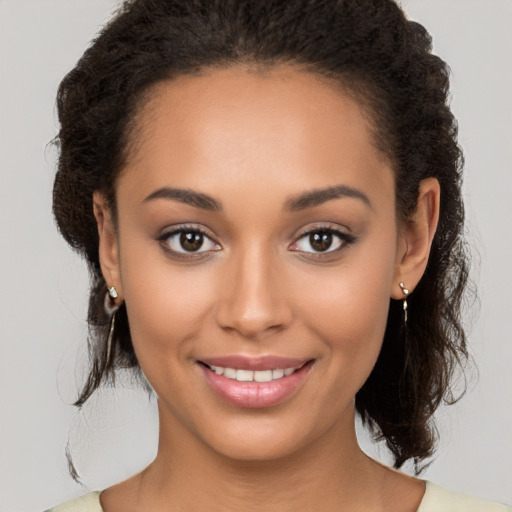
point(301, 202)
point(196, 199)
point(320, 196)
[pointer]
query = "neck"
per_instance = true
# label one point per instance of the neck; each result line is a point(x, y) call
point(328, 472)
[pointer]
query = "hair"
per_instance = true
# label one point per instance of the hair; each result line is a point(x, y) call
point(367, 47)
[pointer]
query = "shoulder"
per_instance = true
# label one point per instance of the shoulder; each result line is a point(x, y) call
point(88, 503)
point(438, 499)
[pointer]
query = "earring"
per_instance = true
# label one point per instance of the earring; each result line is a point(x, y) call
point(405, 291)
point(110, 337)
point(112, 292)
point(110, 300)
point(110, 308)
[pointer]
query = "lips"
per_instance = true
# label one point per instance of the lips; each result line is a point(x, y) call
point(255, 382)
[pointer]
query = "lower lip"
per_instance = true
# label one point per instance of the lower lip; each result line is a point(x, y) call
point(256, 394)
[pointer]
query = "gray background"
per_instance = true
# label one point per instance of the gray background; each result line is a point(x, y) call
point(43, 285)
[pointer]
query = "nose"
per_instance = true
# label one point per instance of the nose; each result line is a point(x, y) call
point(253, 300)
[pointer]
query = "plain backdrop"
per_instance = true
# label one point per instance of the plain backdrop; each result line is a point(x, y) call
point(43, 285)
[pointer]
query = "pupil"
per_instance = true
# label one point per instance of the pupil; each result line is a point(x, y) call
point(191, 241)
point(320, 241)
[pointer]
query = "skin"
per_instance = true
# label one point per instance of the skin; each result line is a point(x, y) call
point(253, 141)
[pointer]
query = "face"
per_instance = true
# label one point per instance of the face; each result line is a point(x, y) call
point(256, 251)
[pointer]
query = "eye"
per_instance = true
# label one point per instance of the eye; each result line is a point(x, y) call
point(322, 240)
point(188, 241)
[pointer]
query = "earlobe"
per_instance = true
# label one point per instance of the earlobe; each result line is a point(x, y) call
point(418, 233)
point(108, 252)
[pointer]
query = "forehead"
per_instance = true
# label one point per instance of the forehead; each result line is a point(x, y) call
point(282, 127)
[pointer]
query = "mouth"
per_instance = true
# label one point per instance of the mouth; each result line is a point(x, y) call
point(252, 383)
point(241, 375)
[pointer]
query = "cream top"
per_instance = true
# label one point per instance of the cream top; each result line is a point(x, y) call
point(436, 499)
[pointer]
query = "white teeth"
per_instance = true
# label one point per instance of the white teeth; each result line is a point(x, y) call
point(277, 374)
point(244, 375)
point(253, 376)
point(230, 373)
point(263, 376)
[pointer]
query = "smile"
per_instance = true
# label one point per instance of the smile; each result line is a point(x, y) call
point(253, 376)
point(255, 383)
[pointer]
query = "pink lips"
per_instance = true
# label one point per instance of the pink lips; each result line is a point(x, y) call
point(255, 394)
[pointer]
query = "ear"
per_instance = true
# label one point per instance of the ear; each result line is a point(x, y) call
point(108, 246)
point(416, 238)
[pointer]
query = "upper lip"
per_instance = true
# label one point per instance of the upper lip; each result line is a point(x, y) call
point(255, 363)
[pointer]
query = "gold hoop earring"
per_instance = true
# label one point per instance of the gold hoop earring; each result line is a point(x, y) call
point(405, 291)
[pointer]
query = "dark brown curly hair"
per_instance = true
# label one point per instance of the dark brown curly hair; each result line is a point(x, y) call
point(372, 51)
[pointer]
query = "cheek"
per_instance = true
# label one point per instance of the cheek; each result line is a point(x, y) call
point(166, 303)
point(348, 310)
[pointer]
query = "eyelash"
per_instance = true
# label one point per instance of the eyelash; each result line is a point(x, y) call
point(196, 255)
point(345, 240)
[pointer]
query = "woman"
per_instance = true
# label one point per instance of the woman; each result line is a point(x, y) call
point(268, 196)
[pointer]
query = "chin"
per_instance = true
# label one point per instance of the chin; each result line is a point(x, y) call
point(263, 439)
point(258, 448)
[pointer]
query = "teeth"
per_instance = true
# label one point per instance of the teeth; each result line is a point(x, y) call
point(244, 375)
point(263, 376)
point(253, 376)
point(277, 374)
point(230, 373)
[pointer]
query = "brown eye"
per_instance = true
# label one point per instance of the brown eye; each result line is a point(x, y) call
point(187, 240)
point(320, 241)
point(191, 241)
